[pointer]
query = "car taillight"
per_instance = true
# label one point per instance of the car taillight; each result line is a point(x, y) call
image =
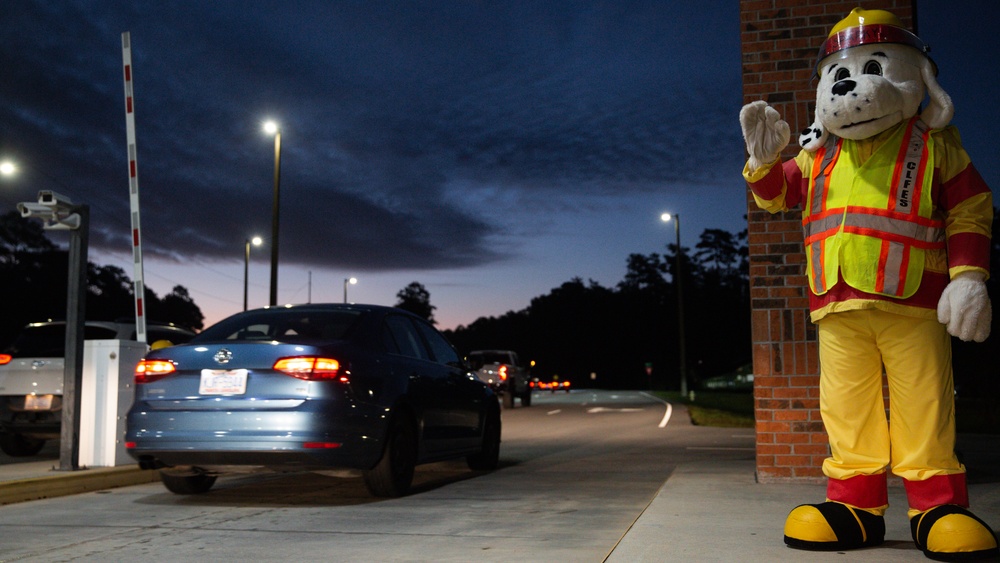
point(502, 372)
point(5, 359)
point(148, 371)
point(311, 368)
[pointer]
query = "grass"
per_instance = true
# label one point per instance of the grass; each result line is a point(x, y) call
point(716, 408)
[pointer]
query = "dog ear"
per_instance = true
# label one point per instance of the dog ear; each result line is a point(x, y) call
point(813, 137)
point(940, 110)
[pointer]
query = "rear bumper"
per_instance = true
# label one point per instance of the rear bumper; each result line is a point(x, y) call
point(293, 439)
point(41, 424)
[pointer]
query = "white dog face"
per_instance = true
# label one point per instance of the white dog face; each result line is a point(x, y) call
point(867, 89)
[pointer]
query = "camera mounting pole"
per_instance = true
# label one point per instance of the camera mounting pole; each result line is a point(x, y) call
point(57, 212)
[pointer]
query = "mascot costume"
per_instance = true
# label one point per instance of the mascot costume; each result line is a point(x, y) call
point(897, 233)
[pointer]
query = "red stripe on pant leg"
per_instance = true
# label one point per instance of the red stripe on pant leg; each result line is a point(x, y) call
point(938, 490)
point(862, 491)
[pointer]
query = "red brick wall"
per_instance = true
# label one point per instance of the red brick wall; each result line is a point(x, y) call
point(780, 41)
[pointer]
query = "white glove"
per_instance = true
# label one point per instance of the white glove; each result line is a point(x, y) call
point(765, 133)
point(965, 307)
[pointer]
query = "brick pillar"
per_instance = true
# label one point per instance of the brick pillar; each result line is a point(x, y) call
point(780, 41)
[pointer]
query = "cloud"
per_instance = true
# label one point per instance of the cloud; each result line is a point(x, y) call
point(400, 120)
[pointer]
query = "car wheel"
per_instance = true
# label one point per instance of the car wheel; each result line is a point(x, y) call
point(508, 399)
point(489, 457)
point(526, 398)
point(16, 445)
point(187, 484)
point(393, 474)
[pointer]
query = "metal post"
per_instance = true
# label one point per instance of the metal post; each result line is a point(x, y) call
point(680, 309)
point(76, 292)
point(274, 218)
point(246, 274)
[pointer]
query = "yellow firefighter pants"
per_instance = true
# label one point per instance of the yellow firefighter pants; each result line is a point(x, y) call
point(918, 442)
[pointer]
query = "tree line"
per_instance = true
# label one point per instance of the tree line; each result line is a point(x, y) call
point(33, 281)
point(627, 336)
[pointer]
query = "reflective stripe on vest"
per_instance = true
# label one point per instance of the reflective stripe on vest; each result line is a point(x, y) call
point(895, 233)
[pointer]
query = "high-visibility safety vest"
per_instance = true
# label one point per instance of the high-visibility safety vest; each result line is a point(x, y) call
point(872, 222)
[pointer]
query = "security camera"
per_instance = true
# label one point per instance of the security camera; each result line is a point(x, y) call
point(49, 197)
point(32, 209)
point(56, 211)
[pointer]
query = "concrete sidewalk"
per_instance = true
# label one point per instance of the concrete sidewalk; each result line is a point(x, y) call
point(711, 511)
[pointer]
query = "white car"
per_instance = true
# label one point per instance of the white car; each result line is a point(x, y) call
point(31, 379)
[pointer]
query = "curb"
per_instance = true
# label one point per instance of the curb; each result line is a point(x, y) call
point(81, 481)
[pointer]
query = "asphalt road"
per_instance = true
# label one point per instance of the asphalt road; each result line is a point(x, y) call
point(576, 472)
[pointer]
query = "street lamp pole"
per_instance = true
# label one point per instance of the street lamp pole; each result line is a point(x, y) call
point(246, 268)
point(678, 280)
point(272, 127)
point(351, 281)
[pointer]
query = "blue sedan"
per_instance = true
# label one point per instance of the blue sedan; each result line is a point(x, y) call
point(310, 387)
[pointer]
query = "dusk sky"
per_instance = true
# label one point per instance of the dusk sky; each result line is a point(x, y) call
point(488, 150)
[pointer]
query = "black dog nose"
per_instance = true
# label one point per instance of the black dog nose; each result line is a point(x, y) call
point(843, 87)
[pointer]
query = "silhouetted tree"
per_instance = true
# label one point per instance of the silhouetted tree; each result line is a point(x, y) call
point(178, 307)
point(416, 299)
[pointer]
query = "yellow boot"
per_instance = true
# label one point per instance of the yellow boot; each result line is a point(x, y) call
point(952, 533)
point(832, 526)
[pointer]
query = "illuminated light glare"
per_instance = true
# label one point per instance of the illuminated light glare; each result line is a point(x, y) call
point(148, 371)
point(310, 368)
point(5, 359)
point(7, 168)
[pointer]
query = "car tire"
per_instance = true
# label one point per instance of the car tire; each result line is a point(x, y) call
point(16, 445)
point(508, 399)
point(489, 457)
point(526, 398)
point(187, 484)
point(393, 474)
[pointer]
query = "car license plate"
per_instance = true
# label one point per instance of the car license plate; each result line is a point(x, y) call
point(37, 402)
point(223, 382)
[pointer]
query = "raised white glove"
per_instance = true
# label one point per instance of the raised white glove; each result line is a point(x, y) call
point(965, 307)
point(764, 132)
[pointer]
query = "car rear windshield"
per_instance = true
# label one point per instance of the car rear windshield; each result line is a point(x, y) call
point(282, 326)
point(49, 341)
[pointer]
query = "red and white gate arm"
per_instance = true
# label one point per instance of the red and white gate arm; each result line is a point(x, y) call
point(133, 181)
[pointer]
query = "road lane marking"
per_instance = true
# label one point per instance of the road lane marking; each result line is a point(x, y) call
point(557, 411)
point(666, 415)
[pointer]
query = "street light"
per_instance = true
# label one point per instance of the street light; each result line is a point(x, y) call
point(7, 168)
point(246, 267)
point(271, 128)
point(666, 217)
point(351, 281)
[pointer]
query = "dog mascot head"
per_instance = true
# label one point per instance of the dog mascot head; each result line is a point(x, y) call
point(873, 74)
